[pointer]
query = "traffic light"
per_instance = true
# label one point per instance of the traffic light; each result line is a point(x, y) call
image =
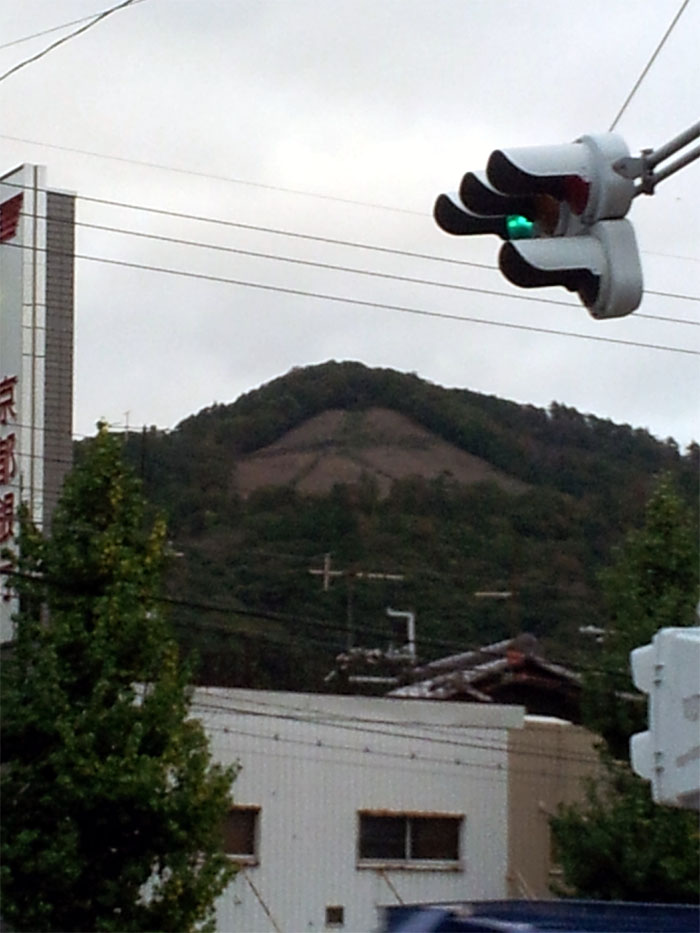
point(668, 753)
point(560, 210)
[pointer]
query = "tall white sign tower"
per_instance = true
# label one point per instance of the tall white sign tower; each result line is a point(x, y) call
point(36, 357)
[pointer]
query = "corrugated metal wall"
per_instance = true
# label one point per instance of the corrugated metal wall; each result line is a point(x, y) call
point(311, 762)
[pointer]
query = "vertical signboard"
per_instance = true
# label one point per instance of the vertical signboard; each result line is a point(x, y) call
point(22, 362)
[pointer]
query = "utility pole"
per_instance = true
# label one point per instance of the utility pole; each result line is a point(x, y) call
point(351, 575)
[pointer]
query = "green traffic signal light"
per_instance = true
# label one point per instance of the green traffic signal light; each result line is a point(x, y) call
point(519, 227)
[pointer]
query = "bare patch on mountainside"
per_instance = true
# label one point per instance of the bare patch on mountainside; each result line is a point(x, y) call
point(341, 446)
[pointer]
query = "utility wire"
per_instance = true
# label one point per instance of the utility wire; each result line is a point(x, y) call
point(253, 184)
point(72, 35)
point(295, 623)
point(225, 178)
point(352, 244)
point(45, 32)
point(648, 65)
point(383, 306)
point(378, 726)
point(180, 241)
point(217, 221)
point(499, 771)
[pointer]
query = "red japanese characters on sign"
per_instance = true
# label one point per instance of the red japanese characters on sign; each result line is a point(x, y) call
point(9, 217)
point(7, 398)
point(8, 464)
point(7, 516)
point(8, 471)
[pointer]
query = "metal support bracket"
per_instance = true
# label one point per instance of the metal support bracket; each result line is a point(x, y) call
point(638, 167)
point(643, 166)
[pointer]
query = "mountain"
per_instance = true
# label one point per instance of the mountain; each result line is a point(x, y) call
point(422, 496)
point(376, 445)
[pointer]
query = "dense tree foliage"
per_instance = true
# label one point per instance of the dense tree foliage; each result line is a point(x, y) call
point(587, 480)
point(112, 810)
point(651, 584)
point(620, 844)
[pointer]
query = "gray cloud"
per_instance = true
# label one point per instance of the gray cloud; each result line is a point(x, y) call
point(386, 103)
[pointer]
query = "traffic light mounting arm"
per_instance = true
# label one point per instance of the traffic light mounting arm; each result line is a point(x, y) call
point(643, 166)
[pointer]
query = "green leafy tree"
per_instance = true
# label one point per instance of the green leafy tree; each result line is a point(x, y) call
point(112, 808)
point(619, 844)
point(652, 584)
point(622, 846)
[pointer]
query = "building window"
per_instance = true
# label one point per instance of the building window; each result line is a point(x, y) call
point(407, 840)
point(335, 915)
point(240, 831)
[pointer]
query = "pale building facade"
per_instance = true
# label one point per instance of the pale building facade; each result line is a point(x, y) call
point(344, 804)
point(550, 763)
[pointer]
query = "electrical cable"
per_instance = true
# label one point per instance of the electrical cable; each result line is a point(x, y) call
point(384, 306)
point(179, 241)
point(376, 725)
point(421, 312)
point(297, 622)
point(164, 212)
point(373, 273)
point(352, 244)
point(648, 65)
point(499, 771)
point(159, 166)
point(328, 240)
point(264, 186)
point(398, 731)
point(72, 35)
point(45, 32)
point(370, 726)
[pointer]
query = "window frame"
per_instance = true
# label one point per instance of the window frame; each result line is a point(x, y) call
point(408, 862)
point(247, 858)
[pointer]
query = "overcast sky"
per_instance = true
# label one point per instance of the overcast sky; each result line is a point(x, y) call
point(362, 111)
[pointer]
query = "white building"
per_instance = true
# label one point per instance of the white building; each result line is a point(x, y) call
point(344, 804)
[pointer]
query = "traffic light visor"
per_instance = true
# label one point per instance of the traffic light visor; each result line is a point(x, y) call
point(580, 174)
point(452, 217)
point(576, 264)
point(602, 265)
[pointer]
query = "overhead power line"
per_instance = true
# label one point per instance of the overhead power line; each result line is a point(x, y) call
point(352, 244)
point(180, 241)
point(46, 32)
point(229, 179)
point(385, 306)
point(218, 221)
point(294, 622)
point(253, 184)
point(648, 65)
point(72, 35)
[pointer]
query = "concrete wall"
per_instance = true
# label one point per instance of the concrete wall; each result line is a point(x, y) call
point(312, 762)
point(549, 763)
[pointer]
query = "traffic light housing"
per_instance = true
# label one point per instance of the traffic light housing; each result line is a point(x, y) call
point(560, 210)
point(668, 753)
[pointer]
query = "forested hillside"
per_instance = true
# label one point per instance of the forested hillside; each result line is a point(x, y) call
point(565, 487)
